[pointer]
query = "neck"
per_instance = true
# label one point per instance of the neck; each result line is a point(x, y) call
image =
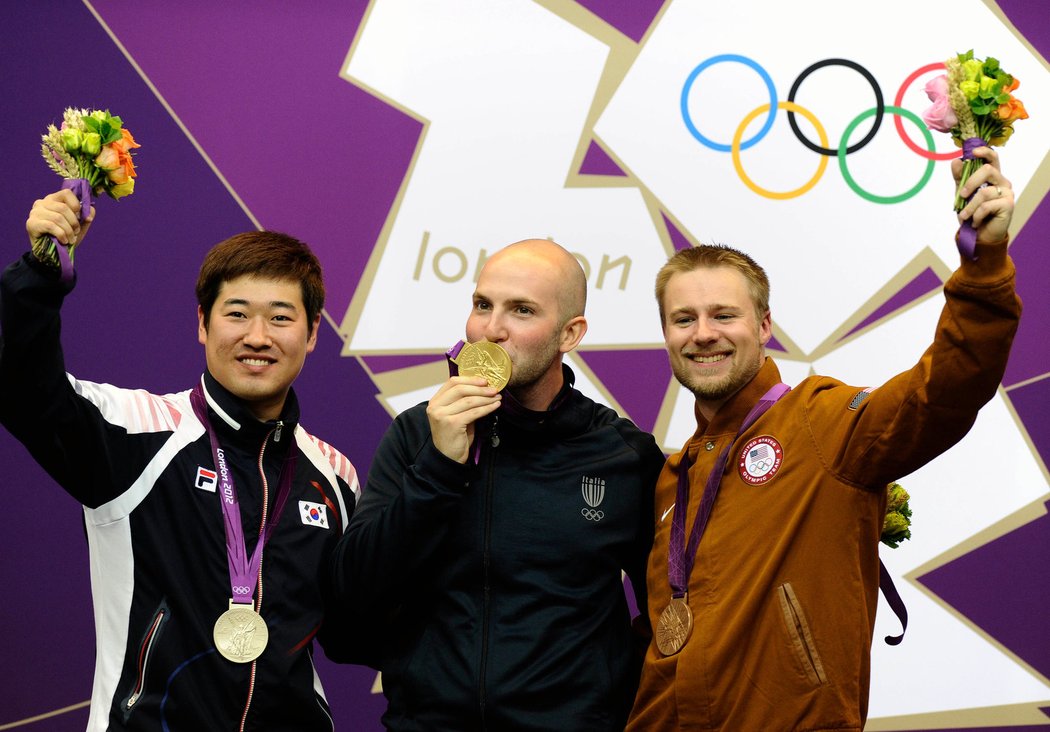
point(539, 395)
point(708, 408)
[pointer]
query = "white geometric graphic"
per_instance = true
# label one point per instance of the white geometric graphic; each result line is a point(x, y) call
point(505, 87)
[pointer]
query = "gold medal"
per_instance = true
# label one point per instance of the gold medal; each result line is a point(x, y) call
point(676, 622)
point(487, 360)
point(240, 633)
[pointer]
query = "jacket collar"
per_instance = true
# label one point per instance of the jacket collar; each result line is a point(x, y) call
point(731, 415)
point(529, 419)
point(230, 414)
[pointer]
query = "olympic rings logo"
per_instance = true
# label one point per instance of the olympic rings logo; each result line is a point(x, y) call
point(241, 590)
point(592, 515)
point(843, 150)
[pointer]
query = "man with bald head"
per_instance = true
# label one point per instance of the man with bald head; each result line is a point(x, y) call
point(485, 558)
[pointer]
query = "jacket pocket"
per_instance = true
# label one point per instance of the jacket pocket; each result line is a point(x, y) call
point(799, 633)
point(145, 653)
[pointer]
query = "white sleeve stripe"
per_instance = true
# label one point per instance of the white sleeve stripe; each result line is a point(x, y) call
point(136, 410)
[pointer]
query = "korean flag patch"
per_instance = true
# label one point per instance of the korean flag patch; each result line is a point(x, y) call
point(313, 514)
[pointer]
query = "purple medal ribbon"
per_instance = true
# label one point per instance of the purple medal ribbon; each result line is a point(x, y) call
point(82, 189)
point(680, 558)
point(451, 354)
point(453, 370)
point(967, 238)
point(244, 573)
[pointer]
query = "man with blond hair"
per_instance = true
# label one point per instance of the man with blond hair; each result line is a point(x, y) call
point(764, 575)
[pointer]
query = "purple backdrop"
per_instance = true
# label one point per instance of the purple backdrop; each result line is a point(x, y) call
point(257, 86)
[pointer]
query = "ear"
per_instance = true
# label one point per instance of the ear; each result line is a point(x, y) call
point(202, 327)
point(572, 333)
point(311, 341)
point(765, 329)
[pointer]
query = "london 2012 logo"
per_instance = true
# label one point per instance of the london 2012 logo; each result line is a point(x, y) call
point(843, 148)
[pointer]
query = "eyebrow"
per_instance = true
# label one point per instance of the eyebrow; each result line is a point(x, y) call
point(715, 307)
point(511, 301)
point(281, 304)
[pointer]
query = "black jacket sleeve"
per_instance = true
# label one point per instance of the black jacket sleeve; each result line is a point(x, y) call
point(66, 434)
point(407, 504)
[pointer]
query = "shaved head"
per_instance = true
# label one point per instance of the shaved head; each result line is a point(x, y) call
point(529, 299)
point(567, 271)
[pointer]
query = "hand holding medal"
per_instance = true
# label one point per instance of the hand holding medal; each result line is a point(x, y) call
point(92, 151)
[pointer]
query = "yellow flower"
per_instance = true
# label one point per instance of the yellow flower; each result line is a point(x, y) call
point(72, 139)
point(969, 88)
point(124, 189)
point(1000, 139)
point(972, 69)
point(92, 143)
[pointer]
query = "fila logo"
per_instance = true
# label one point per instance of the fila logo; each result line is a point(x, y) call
point(593, 490)
point(206, 479)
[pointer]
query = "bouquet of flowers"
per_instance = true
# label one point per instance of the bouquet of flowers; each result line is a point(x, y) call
point(896, 526)
point(92, 151)
point(974, 102)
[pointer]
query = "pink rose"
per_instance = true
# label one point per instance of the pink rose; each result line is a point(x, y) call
point(940, 116)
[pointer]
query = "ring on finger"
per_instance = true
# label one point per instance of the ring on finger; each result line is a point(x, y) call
point(998, 192)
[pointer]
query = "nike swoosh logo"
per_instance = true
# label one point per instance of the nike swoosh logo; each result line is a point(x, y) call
point(669, 508)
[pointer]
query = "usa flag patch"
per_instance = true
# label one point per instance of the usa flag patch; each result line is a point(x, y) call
point(760, 460)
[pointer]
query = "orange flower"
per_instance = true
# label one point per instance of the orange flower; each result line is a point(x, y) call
point(118, 176)
point(107, 158)
point(128, 142)
point(1013, 110)
point(122, 148)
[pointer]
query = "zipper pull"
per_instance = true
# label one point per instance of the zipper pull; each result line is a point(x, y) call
point(277, 431)
point(495, 432)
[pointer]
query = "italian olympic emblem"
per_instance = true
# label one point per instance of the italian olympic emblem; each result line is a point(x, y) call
point(760, 460)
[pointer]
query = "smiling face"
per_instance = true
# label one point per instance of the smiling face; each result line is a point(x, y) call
point(714, 336)
point(529, 299)
point(256, 340)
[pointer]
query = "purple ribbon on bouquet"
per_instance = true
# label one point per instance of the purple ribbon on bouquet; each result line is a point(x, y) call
point(82, 190)
point(967, 238)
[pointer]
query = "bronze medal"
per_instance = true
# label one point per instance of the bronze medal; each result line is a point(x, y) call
point(487, 360)
point(240, 634)
point(676, 622)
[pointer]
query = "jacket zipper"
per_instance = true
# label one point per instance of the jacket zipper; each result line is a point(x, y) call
point(276, 432)
point(144, 655)
point(486, 563)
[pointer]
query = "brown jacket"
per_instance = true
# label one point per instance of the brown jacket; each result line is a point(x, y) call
point(784, 588)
